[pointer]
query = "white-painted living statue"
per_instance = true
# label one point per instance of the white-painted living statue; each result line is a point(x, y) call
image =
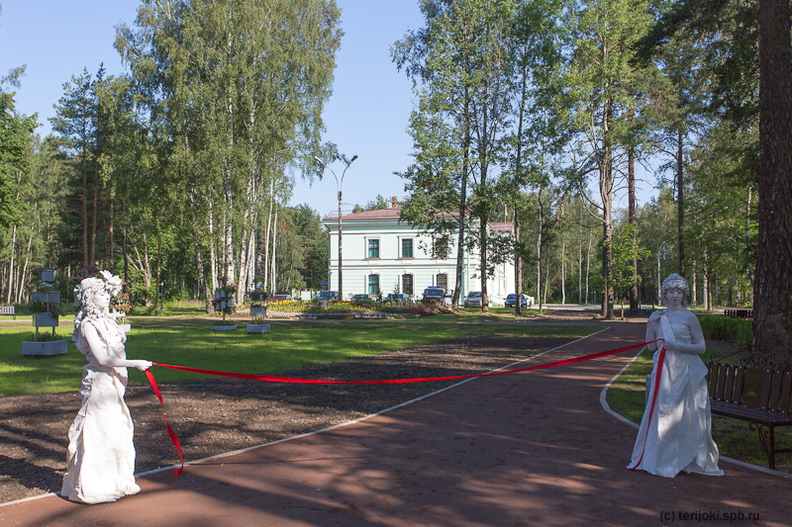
point(101, 455)
point(675, 433)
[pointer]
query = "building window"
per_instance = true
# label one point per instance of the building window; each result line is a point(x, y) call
point(373, 283)
point(407, 284)
point(442, 281)
point(407, 248)
point(373, 248)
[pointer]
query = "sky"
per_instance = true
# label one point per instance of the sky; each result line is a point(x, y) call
point(366, 116)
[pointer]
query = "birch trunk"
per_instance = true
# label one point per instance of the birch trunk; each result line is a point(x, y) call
point(10, 280)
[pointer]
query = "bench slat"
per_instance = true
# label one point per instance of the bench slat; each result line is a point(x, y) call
point(785, 397)
point(767, 388)
point(750, 414)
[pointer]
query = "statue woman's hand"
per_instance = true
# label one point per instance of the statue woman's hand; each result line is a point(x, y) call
point(142, 365)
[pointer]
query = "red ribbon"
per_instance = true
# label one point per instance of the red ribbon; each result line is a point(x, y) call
point(269, 378)
point(655, 390)
point(171, 433)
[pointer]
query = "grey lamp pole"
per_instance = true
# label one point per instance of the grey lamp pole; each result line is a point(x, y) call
point(659, 283)
point(339, 185)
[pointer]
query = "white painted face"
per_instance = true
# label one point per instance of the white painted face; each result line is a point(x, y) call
point(674, 296)
point(101, 299)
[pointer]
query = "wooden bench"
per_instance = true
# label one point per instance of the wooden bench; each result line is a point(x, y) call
point(8, 310)
point(637, 313)
point(761, 397)
point(738, 313)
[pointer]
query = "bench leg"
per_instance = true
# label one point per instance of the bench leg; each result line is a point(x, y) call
point(767, 440)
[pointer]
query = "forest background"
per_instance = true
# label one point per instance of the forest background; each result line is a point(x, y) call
point(176, 174)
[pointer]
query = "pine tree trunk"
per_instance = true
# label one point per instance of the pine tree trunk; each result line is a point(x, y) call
point(634, 222)
point(606, 194)
point(84, 203)
point(111, 234)
point(772, 323)
point(94, 218)
point(680, 182)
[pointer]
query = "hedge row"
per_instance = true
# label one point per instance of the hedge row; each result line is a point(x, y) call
point(736, 331)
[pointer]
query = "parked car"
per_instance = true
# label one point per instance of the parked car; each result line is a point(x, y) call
point(282, 296)
point(474, 299)
point(397, 297)
point(327, 296)
point(433, 294)
point(511, 300)
point(361, 298)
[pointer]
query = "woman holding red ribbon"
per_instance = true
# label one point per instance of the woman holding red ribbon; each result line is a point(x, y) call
point(675, 433)
point(101, 456)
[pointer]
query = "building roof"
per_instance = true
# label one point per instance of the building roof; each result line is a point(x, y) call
point(394, 213)
point(502, 226)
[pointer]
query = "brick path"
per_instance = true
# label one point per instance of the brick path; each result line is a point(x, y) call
point(525, 449)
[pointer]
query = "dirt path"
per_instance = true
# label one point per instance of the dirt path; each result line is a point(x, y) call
point(524, 449)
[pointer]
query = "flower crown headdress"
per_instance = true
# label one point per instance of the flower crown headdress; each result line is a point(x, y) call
point(675, 281)
point(89, 287)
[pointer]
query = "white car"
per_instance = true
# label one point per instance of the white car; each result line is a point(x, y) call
point(474, 299)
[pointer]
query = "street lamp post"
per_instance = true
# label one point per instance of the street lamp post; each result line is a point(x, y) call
point(659, 283)
point(339, 185)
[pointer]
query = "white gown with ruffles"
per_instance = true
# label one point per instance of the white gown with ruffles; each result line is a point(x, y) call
point(101, 454)
point(677, 435)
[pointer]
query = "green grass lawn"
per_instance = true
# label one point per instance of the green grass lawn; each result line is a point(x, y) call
point(189, 341)
point(733, 437)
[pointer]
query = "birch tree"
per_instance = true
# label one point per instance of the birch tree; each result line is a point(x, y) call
point(231, 84)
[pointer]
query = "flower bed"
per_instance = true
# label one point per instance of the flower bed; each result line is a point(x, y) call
point(298, 309)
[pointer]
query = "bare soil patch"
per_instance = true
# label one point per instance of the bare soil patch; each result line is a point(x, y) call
point(216, 415)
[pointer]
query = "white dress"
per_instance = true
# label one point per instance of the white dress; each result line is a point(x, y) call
point(101, 454)
point(675, 433)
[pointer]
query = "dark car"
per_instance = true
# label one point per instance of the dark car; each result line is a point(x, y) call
point(363, 297)
point(327, 296)
point(397, 297)
point(511, 300)
point(433, 294)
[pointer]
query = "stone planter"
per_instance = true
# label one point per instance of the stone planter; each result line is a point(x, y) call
point(224, 327)
point(257, 328)
point(258, 311)
point(44, 348)
point(38, 296)
point(48, 275)
point(45, 320)
point(46, 297)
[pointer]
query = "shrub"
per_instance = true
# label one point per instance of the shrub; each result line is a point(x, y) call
point(736, 331)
